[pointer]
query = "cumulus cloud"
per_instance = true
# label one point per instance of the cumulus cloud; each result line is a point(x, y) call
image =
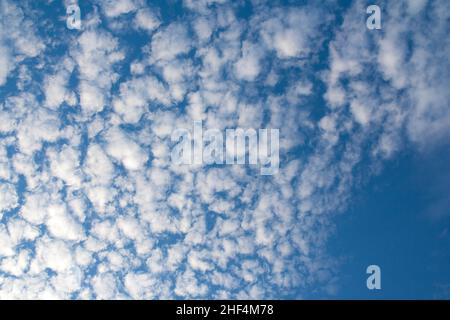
point(125, 150)
point(113, 8)
point(102, 212)
point(147, 20)
point(8, 198)
point(248, 66)
point(293, 33)
point(170, 42)
point(412, 97)
point(20, 42)
point(95, 54)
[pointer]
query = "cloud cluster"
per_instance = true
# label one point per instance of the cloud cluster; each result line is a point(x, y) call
point(91, 207)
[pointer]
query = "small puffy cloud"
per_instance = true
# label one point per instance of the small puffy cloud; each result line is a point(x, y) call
point(140, 286)
point(6, 64)
point(248, 66)
point(103, 213)
point(98, 165)
point(55, 86)
point(64, 164)
point(92, 99)
point(125, 150)
point(136, 96)
point(37, 127)
point(203, 28)
point(115, 8)
point(170, 42)
point(291, 32)
point(8, 197)
point(35, 208)
point(61, 225)
point(18, 39)
point(53, 254)
point(147, 20)
point(104, 286)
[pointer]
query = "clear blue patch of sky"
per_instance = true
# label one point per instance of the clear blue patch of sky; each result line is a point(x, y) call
point(401, 222)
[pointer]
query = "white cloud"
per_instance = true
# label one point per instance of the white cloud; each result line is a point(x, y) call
point(170, 42)
point(125, 150)
point(6, 244)
point(98, 165)
point(290, 31)
point(115, 8)
point(53, 254)
point(68, 282)
point(38, 126)
point(186, 229)
point(55, 87)
point(34, 209)
point(92, 99)
point(248, 66)
point(147, 20)
point(187, 285)
point(16, 265)
point(61, 225)
point(203, 28)
point(5, 63)
point(136, 96)
point(96, 53)
point(64, 164)
point(18, 39)
point(140, 286)
point(104, 286)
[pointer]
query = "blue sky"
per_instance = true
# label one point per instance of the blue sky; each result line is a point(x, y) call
point(93, 207)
